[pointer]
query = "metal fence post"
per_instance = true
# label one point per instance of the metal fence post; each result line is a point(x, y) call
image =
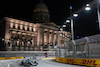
point(88, 48)
point(74, 49)
point(59, 52)
point(65, 49)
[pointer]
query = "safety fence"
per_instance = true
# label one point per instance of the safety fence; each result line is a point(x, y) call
point(87, 47)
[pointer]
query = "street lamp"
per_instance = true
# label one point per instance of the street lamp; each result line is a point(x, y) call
point(64, 25)
point(67, 21)
point(75, 14)
point(89, 8)
point(61, 29)
point(59, 35)
point(98, 14)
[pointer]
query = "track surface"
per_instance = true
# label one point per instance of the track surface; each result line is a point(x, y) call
point(42, 63)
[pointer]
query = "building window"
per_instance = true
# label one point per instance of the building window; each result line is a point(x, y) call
point(28, 28)
point(13, 26)
point(43, 17)
point(32, 29)
point(23, 28)
point(36, 18)
point(45, 32)
point(18, 27)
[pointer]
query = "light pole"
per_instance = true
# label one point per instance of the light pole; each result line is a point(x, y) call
point(72, 32)
point(64, 26)
point(72, 25)
point(98, 13)
point(64, 35)
point(59, 45)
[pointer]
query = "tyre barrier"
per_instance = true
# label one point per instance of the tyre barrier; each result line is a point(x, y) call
point(4, 58)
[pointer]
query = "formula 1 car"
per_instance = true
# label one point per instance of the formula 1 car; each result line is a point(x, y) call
point(28, 62)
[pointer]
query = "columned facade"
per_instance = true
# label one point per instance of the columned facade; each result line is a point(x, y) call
point(25, 36)
point(38, 35)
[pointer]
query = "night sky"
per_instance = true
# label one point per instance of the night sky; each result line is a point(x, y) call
point(85, 24)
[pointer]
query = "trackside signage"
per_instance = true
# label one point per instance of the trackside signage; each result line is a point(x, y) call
point(80, 61)
point(4, 58)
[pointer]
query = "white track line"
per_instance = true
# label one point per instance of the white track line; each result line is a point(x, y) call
point(9, 64)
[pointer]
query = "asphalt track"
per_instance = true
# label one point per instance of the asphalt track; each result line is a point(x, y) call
point(42, 63)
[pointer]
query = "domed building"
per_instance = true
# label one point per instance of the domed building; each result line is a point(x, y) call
point(37, 35)
point(41, 13)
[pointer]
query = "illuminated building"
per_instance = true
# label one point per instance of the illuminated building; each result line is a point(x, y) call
point(37, 35)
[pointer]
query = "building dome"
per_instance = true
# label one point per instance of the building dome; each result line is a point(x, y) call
point(41, 13)
point(41, 5)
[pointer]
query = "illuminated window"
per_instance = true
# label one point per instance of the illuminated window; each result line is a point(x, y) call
point(43, 17)
point(14, 26)
point(36, 18)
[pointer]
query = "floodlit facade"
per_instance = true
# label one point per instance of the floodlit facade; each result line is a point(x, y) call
point(37, 35)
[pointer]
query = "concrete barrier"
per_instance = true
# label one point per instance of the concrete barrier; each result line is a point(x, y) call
point(4, 58)
point(80, 61)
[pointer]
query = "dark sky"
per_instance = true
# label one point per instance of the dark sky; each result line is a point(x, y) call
point(85, 24)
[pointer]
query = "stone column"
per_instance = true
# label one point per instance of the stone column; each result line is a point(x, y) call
point(57, 38)
point(32, 40)
point(47, 37)
point(7, 34)
point(39, 36)
point(53, 38)
point(42, 36)
point(35, 40)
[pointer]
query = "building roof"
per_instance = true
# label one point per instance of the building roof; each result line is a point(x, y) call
point(41, 5)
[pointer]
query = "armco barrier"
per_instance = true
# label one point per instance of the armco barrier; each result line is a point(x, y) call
point(4, 58)
point(80, 61)
point(48, 58)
